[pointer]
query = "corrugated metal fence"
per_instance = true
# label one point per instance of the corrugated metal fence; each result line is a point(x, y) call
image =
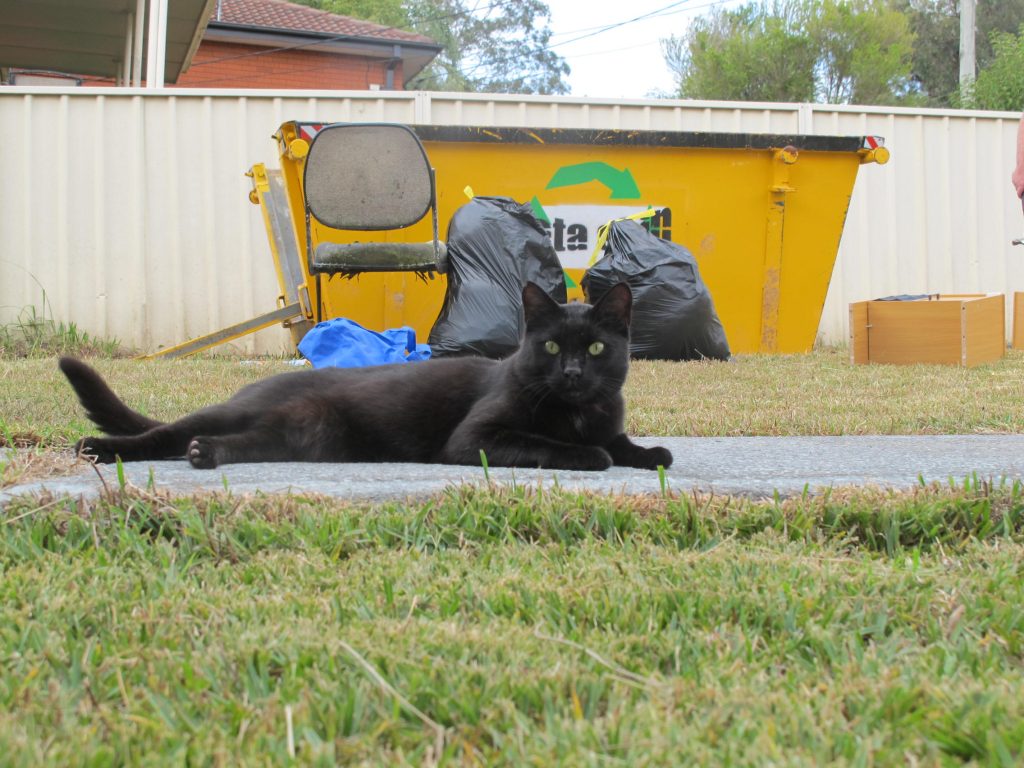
point(126, 211)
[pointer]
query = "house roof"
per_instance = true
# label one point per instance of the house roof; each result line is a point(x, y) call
point(277, 23)
point(282, 15)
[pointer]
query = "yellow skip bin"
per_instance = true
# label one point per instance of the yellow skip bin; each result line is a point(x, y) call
point(763, 215)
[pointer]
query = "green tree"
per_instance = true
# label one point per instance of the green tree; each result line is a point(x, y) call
point(491, 46)
point(391, 13)
point(500, 48)
point(837, 51)
point(753, 53)
point(1001, 84)
point(865, 50)
point(936, 28)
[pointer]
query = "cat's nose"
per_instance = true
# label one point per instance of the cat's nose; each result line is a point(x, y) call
point(572, 372)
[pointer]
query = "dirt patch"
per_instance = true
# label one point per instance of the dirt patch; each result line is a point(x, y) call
point(28, 465)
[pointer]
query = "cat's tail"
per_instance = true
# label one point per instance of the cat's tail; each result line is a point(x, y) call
point(101, 404)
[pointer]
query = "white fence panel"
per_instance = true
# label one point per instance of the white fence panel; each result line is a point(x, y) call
point(938, 218)
point(128, 209)
point(128, 214)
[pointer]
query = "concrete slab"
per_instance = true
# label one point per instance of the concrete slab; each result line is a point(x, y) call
point(756, 466)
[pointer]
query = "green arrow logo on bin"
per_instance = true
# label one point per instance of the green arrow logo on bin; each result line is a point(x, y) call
point(621, 183)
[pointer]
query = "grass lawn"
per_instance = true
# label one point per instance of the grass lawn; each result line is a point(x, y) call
point(513, 627)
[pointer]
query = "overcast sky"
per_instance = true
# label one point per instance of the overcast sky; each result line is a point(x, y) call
point(626, 61)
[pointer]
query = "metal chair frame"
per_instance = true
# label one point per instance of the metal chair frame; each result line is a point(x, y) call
point(369, 177)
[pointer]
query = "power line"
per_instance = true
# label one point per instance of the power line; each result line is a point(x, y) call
point(644, 44)
point(653, 14)
point(663, 11)
point(618, 24)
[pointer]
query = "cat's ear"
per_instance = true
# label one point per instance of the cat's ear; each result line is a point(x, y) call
point(616, 306)
point(537, 305)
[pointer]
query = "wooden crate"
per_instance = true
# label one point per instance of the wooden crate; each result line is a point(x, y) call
point(1018, 320)
point(953, 329)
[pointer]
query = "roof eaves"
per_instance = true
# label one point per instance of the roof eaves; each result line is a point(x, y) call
point(323, 37)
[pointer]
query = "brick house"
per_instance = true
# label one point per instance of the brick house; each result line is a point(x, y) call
point(277, 44)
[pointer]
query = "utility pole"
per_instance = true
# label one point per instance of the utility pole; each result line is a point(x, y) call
point(967, 8)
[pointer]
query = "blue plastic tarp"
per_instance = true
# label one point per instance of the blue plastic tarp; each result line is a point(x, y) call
point(343, 343)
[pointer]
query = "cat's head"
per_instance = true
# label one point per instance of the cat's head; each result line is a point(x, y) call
point(576, 352)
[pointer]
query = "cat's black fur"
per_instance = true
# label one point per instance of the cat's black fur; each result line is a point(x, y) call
point(537, 408)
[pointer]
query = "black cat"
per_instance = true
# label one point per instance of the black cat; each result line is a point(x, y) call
point(557, 402)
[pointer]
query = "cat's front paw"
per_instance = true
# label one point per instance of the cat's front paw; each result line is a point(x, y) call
point(656, 457)
point(93, 448)
point(201, 454)
point(588, 459)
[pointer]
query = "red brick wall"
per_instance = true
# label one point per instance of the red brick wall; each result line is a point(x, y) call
point(227, 65)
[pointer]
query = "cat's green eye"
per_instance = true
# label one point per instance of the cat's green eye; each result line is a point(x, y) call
point(552, 347)
point(596, 348)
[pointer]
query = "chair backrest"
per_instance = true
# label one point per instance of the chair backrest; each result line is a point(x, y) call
point(368, 176)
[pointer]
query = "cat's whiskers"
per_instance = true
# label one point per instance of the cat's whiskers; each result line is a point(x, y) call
point(533, 388)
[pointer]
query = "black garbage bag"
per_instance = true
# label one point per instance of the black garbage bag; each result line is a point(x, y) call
point(674, 317)
point(495, 245)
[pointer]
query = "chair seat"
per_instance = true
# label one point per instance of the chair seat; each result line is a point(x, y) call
point(351, 258)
